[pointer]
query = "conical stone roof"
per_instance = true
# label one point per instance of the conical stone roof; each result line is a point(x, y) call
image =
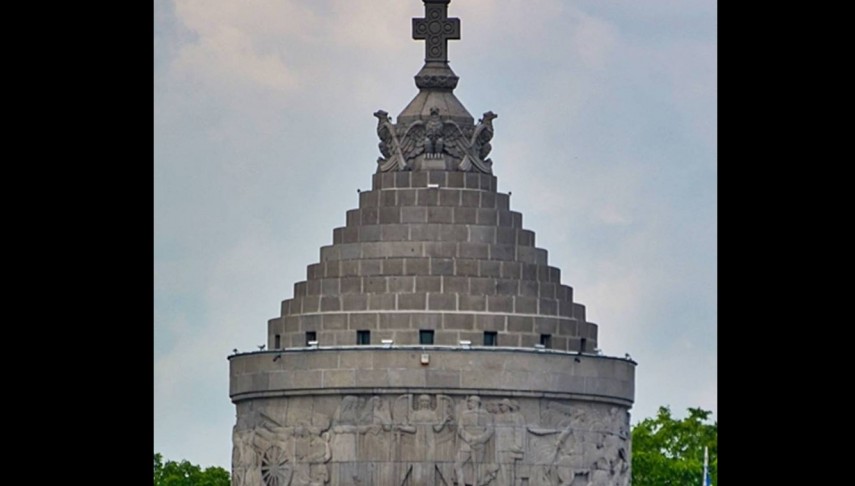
point(440, 251)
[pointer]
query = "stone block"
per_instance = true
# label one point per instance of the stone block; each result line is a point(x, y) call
point(311, 303)
point(381, 301)
point(470, 199)
point(419, 179)
point(339, 378)
point(441, 249)
point(453, 232)
point(482, 234)
point(490, 322)
point(547, 289)
point(412, 301)
point(488, 217)
point(559, 342)
point(473, 250)
point(350, 285)
point(369, 232)
point(545, 325)
point(489, 268)
point(426, 321)
point(529, 340)
point(472, 302)
point(520, 324)
point(353, 217)
point(368, 198)
point(565, 308)
point(390, 215)
point(548, 307)
point(500, 303)
point(331, 269)
point(401, 284)
point(424, 232)
point(406, 249)
point(441, 266)
point(488, 200)
point(444, 302)
point(455, 179)
point(329, 253)
point(406, 378)
point(466, 268)
point(372, 378)
point(291, 323)
point(374, 285)
point(441, 378)
point(525, 238)
point(285, 307)
point(568, 327)
point(402, 179)
point(427, 197)
point(525, 305)
point(329, 286)
point(573, 344)
point(414, 214)
point(503, 201)
point(330, 304)
point(387, 180)
point(406, 197)
point(472, 180)
point(394, 320)
point(502, 252)
point(482, 286)
point(370, 215)
point(440, 214)
point(447, 338)
point(506, 286)
point(458, 321)
point(349, 268)
point(369, 267)
point(310, 323)
point(307, 379)
point(529, 271)
point(395, 232)
point(354, 302)
point(517, 219)
point(449, 197)
point(465, 215)
point(506, 219)
point(363, 320)
point(506, 236)
point(349, 251)
point(388, 198)
point(416, 266)
point(374, 249)
point(527, 254)
point(313, 287)
point(334, 322)
point(428, 284)
point(393, 266)
point(452, 284)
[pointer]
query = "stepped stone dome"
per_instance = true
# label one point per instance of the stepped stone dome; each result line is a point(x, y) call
point(432, 343)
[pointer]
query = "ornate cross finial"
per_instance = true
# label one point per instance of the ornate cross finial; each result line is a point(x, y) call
point(436, 29)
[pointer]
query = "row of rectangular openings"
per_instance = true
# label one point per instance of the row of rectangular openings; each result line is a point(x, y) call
point(426, 336)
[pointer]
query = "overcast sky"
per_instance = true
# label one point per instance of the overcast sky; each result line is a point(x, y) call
point(263, 131)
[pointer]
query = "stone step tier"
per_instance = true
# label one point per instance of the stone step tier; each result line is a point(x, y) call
point(438, 251)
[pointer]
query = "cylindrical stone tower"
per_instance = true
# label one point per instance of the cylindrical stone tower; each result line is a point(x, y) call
point(432, 344)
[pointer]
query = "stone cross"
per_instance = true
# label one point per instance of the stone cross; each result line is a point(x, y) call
point(436, 29)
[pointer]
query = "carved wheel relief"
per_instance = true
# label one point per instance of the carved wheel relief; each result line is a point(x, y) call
point(275, 470)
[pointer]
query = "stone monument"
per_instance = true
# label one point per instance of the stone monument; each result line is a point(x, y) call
point(432, 344)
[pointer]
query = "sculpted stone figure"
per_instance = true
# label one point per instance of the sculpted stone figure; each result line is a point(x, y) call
point(510, 442)
point(424, 423)
point(474, 428)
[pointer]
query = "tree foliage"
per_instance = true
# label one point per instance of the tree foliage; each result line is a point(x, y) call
point(667, 451)
point(171, 473)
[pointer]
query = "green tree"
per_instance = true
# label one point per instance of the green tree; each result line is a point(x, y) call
point(667, 451)
point(171, 473)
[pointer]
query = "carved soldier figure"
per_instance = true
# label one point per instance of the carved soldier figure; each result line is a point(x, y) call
point(475, 428)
